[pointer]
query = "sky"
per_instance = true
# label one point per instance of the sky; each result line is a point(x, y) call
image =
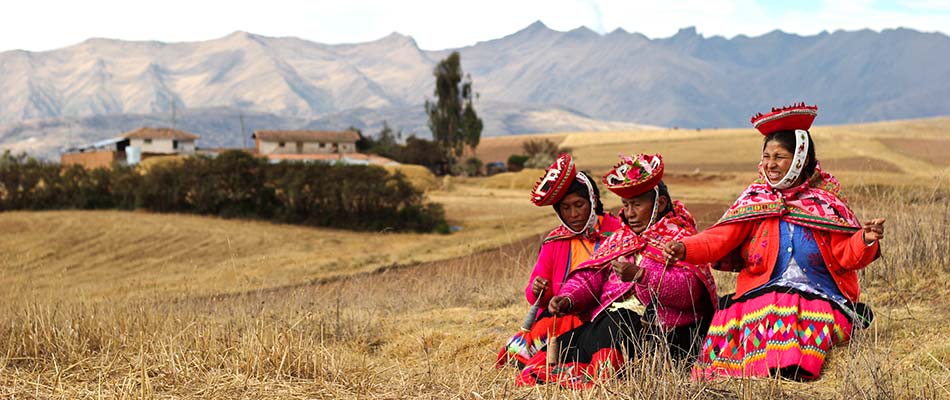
point(39, 25)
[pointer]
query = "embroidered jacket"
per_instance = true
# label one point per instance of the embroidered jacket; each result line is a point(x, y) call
point(758, 245)
point(555, 258)
point(683, 293)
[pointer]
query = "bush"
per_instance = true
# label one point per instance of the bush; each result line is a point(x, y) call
point(471, 167)
point(516, 162)
point(540, 160)
point(533, 147)
point(234, 184)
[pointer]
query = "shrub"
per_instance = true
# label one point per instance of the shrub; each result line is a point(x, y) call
point(234, 184)
point(516, 162)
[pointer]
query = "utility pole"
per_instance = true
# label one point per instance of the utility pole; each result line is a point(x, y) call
point(243, 134)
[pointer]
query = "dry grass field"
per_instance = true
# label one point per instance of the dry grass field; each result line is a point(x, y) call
point(138, 305)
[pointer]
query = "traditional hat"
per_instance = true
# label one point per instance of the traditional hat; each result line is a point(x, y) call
point(553, 185)
point(796, 118)
point(790, 118)
point(634, 176)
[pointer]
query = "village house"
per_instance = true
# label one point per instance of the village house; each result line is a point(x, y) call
point(310, 146)
point(161, 141)
point(305, 142)
point(131, 147)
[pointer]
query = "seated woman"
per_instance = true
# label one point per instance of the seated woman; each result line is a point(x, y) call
point(797, 247)
point(584, 226)
point(628, 288)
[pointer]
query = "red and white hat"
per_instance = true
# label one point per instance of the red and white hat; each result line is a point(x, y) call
point(553, 185)
point(790, 118)
point(798, 119)
point(634, 176)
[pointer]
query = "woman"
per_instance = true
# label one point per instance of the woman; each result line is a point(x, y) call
point(584, 225)
point(628, 288)
point(797, 246)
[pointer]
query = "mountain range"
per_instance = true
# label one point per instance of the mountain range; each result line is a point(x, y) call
point(534, 80)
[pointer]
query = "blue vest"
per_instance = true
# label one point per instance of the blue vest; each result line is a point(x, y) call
point(800, 265)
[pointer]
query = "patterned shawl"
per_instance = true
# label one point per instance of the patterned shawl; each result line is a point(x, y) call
point(675, 225)
point(817, 204)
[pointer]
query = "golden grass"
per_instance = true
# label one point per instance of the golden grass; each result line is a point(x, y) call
point(114, 254)
point(499, 148)
point(432, 331)
point(417, 175)
point(523, 180)
point(137, 305)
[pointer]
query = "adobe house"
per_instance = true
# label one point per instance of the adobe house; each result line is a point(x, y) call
point(131, 147)
point(161, 141)
point(100, 154)
point(305, 142)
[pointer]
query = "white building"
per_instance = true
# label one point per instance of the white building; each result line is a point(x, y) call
point(305, 142)
point(161, 141)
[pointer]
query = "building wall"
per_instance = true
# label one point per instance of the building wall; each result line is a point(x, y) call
point(266, 147)
point(92, 159)
point(163, 146)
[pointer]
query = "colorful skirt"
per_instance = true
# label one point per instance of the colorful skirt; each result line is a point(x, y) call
point(524, 345)
point(778, 331)
point(599, 350)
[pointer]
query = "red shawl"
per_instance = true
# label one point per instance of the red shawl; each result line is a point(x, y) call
point(674, 226)
point(817, 203)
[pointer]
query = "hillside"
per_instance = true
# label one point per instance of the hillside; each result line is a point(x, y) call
point(534, 80)
point(131, 304)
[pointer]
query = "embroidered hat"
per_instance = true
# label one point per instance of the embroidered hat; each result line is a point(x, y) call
point(797, 118)
point(553, 185)
point(790, 118)
point(634, 176)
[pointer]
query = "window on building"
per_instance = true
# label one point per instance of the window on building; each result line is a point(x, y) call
point(148, 141)
point(175, 144)
point(299, 147)
point(281, 144)
point(322, 145)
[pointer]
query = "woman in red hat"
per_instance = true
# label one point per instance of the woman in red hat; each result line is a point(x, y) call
point(628, 288)
point(584, 226)
point(797, 247)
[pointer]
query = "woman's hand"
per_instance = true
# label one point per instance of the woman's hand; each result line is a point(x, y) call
point(560, 305)
point(626, 270)
point(674, 251)
point(873, 230)
point(538, 286)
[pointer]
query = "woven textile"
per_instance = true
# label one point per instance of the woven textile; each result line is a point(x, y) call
point(817, 203)
point(524, 345)
point(768, 331)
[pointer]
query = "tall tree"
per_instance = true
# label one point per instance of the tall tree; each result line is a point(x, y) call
point(452, 117)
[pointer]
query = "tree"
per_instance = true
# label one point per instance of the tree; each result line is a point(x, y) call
point(452, 117)
point(541, 152)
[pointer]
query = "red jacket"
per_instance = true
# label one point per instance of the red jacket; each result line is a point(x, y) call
point(843, 253)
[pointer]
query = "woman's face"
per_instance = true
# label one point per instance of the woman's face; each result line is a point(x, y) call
point(638, 210)
point(776, 161)
point(574, 210)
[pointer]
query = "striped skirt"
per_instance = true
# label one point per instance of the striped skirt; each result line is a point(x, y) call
point(778, 331)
